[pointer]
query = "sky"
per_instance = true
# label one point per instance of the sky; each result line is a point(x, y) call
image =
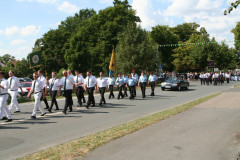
point(24, 21)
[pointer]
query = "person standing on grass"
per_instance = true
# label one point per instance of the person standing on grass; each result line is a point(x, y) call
point(14, 84)
point(53, 84)
point(37, 90)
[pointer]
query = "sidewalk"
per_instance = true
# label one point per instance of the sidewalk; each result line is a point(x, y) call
point(209, 131)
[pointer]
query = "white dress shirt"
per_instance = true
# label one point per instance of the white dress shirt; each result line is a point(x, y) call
point(69, 82)
point(111, 81)
point(15, 84)
point(54, 83)
point(79, 79)
point(38, 86)
point(152, 78)
point(5, 84)
point(90, 81)
point(102, 82)
point(43, 80)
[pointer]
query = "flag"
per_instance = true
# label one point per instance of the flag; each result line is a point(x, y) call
point(35, 59)
point(112, 65)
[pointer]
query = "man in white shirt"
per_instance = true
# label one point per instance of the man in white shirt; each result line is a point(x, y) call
point(152, 81)
point(3, 98)
point(44, 86)
point(79, 85)
point(68, 84)
point(90, 83)
point(101, 86)
point(227, 76)
point(14, 84)
point(53, 84)
point(37, 90)
point(135, 77)
point(111, 82)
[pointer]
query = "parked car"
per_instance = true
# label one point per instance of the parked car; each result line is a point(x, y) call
point(25, 79)
point(26, 85)
point(25, 92)
point(176, 83)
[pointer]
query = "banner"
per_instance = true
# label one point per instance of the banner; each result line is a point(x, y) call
point(112, 65)
point(35, 59)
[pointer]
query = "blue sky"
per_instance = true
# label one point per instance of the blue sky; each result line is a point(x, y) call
point(23, 21)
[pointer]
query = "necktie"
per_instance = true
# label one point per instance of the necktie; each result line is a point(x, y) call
point(10, 83)
point(65, 83)
point(88, 81)
point(34, 86)
point(53, 80)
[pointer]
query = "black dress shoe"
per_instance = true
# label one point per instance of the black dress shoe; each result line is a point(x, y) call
point(64, 112)
point(93, 105)
point(70, 110)
point(56, 109)
point(87, 106)
point(43, 114)
point(33, 117)
point(49, 111)
point(9, 120)
point(16, 111)
point(4, 118)
point(100, 104)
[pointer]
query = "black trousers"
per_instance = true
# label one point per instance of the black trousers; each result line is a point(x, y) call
point(68, 100)
point(206, 80)
point(111, 91)
point(152, 84)
point(131, 91)
point(120, 92)
point(227, 80)
point(215, 81)
point(102, 91)
point(45, 100)
point(125, 89)
point(134, 91)
point(80, 95)
point(210, 80)
point(53, 100)
point(91, 99)
point(143, 88)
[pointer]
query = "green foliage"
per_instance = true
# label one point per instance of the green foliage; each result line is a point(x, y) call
point(134, 50)
point(236, 32)
point(233, 5)
point(7, 58)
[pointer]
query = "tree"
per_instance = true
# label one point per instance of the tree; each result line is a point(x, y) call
point(233, 5)
point(236, 32)
point(163, 35)
point(7, 58)
point(135, 50)
point(90, 47)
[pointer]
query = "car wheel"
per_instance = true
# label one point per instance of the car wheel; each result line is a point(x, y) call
point(163, 89)
point(179, 88)
point(187, 87)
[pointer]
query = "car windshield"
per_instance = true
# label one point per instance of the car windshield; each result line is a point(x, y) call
point(173, 79)
point(26, 84)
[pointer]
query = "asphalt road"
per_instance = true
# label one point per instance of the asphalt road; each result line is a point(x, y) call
point(209, 131)
point(24, 136)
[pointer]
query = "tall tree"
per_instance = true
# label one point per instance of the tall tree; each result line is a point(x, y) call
point(135, 50)
point(233, 5)
point(236, 32)
point(7, 58)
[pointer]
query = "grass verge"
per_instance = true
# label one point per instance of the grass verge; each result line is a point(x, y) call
point(78, 148)
point(236, 86)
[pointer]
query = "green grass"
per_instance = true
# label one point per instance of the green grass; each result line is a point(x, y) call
point(79, 148)
point(236, 86)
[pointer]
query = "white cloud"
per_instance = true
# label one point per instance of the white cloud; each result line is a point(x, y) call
point(68, 7)
point(24, 31)
point(19, 53)
point(1, 43)
point(1, 32)
point(18, 42)
point(109, 2)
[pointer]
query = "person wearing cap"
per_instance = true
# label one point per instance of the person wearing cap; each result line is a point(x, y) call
point(111, 82)
point(68, 84)
point(53, 84)
point(90, 83)
point(131, 85)
point(152, 82)
point(101, 87)
point(14, 84)
point(44, 86)
point(38, 91)
point(120, 83)
point(143, 83)
point(125, 78)
point(3, 99)
point(79, 81)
